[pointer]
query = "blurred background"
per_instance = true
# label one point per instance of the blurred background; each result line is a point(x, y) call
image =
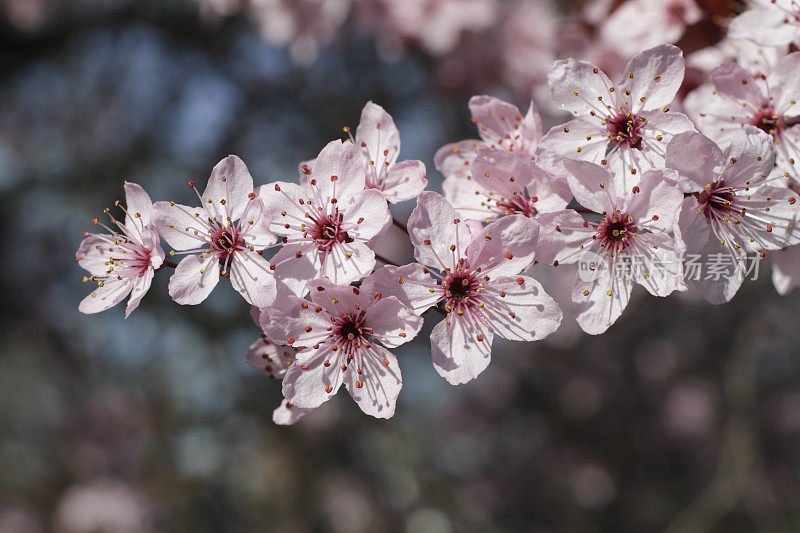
point(682, 417)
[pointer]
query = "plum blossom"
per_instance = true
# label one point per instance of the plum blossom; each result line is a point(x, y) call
point(630, 244)
point(731, 210)
point(640, 24)
point(475, 273)
point(768, 23)
point(122, 262)
point(273, 360)
point(339, 329)
point(501, 127)
point(379, 141)
point(504, 183)
point(625, 126)
point(232, 223)
point(326, 223)
point(768, 101)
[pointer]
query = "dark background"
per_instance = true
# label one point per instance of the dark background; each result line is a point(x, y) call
point(682, 417)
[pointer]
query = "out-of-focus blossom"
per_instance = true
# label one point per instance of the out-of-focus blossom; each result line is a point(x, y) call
point(379, 142)
point(234, 224)
point(529, 41)
point(477, 281)
point(640, 24)
point(103, 505)
point(625, 126)
point(750, 56)
point(731, 210)
point(786, 269)
point(122, 262)
point(340, 328)
point(769, 23)
point(435, 25)
point(631, 243)
point(304, 25)
point(768, 100)
point(326, 224)
point(27, 15)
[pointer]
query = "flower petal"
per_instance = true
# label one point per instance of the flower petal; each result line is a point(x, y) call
point(434, 227)
point(183, 227)
point(106, 296)
point(392, 322)
point(252, 278)
point(520, 311)
point(376, 383)
point(404, 181)
point(504, 247)
point(409, 284)
point(458, 356)
point(228, 189)
point(309, 382)
point(194, 278)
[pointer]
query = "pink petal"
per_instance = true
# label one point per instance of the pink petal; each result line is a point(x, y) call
point(499, 123)
point(269, 358)
point(434, 226)
point(366, 214)
point(392, 322)
point(598, 303)
point(505, 246)
point(657, 203)
point(194, 278)
point(696, 158)
point(338, 172)
point(376, 388)
point(742, 156)
point(404, 181)
point(656, 75)
point(287, 414)
point(376, 133)
point(785, 81)
point(141, 284)
point(255, 225)
point(281, 203)
point(520, 311)
point(295, 323)
point(228, 189)
point(252, 278)
point(468, 198)
point(568, 77)
point(110, 294)
point(137, 202)
point(561, 235)
point(458, 355)
point(786, 269)
point(454, 160)
point(766, 26)
point(409, 284)
point(309, 383)
point(593, 186)
point(178, 223)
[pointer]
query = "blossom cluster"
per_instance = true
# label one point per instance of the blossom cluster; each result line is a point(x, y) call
point(637, 188)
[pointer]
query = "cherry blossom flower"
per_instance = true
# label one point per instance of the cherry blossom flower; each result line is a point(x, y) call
point(625, 126)
point(326, 223)
point(475, 273)
point(273, 360)
point(232, 222)
point(640, 24)
point(731, 210)
point(768, 101)
point(769, 23)
point(750, 56)
point(505, 183)
point(339, 329)
point(500, 126)
point(122, 262)
point(379, 140)
point(630, 244)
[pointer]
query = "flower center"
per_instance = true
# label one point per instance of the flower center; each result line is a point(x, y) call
point(521, 204)
point(615, 233)
point(716, 202)
point(460, 287)
point(327, 231)
point(625, 129)
point(225, 240)
point(769, 122)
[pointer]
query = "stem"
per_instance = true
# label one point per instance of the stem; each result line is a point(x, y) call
point(400, 225)
point(385, 260)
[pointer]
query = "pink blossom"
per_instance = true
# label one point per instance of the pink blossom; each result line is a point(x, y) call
point(475, 274)
point(769, 101)
point(640, 24)
point(501, 127)
point(625, 126)
point(506, 183)
point(731, 209)
point(326, 223)
point(232, 222)
point(379, 140)
point(630, 244)
point(339, 329)
point(122, 262)
point(769, 23)
point(750, 56)
point(273, 360)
